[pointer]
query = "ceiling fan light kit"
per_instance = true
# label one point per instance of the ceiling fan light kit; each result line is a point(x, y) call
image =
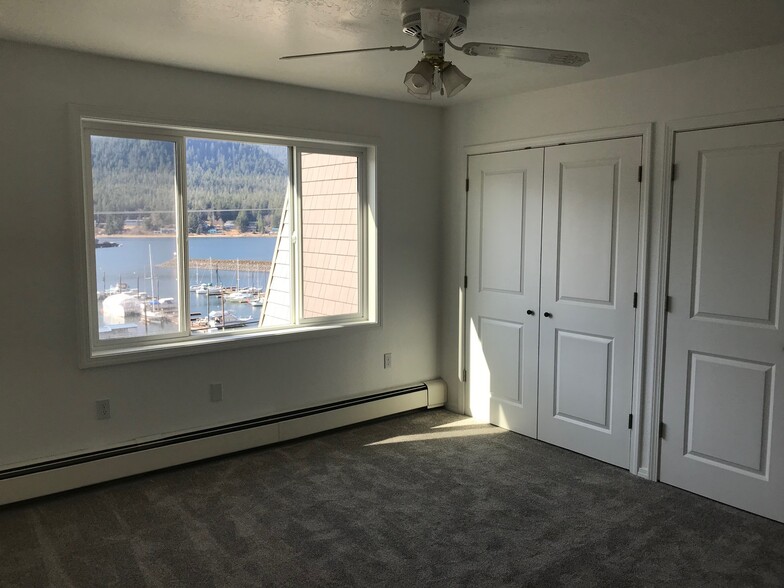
point(419, 81)
point(453, 80)
point(434, 23)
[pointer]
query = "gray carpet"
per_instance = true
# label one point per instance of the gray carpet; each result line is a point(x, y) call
point(426, 499)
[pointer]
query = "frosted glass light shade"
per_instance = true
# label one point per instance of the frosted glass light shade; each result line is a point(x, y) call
point(454, 80)
point(419, 80)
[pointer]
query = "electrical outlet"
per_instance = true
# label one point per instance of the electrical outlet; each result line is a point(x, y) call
point(387, 360)
point(102, 409)
point(216, 392)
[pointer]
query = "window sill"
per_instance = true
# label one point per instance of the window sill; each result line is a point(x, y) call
point(168, 349)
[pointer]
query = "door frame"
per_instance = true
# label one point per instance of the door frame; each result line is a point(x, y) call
point(645, 132)
point(671, 130)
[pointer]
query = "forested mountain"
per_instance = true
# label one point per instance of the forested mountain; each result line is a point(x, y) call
point(134, 178)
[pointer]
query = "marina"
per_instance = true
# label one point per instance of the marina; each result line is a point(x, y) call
point(137, 283)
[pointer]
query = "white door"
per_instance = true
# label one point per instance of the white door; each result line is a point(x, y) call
point(504, 223)
point(723, 408)
point(589, 274)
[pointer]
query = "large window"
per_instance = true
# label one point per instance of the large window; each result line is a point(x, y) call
point(196, 236)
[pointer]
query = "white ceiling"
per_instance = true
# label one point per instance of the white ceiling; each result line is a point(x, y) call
point(246, 37)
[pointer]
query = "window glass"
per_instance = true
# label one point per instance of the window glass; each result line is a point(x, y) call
point(330, 230)
point(134, 217)
point(235, 198)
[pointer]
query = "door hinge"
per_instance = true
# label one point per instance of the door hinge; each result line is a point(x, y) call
point(634, 302)
point(631, 420)
point(639, 174)
point(465, 282)
point(466, 184)
point(662, 430)
point(465, 375)
point(674, 172)
point(668, 304)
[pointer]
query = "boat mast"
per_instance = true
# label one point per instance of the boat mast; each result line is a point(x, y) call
point(152, 279)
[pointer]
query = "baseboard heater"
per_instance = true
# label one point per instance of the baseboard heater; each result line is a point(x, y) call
point(67, 473)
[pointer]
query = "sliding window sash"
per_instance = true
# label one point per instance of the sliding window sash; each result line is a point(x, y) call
point(94, 128)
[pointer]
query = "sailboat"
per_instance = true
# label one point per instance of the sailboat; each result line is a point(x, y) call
point(152, 278)
point(197, 284)
point(209, 289)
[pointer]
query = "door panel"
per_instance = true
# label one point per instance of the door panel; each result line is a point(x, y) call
point(588, 207)
point(728, 406)
point(502, 346)
point(725, 430)
point(504, 239)
point(582, 378)
point(502, 205)
point(736, 268)
point(589, 275)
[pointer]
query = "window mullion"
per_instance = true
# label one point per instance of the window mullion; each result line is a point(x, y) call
point(183, 273)
point(295, 213)
point(362, 234)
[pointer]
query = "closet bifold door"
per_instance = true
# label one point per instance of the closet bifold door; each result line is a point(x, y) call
point(502, 295)
point(590, 221)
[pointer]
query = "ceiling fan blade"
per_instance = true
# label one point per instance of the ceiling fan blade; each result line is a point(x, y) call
point(437, 24)
point(392, 48)
point(537, 54)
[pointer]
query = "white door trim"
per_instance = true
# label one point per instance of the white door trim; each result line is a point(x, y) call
point(671, 129)
point(645, 131)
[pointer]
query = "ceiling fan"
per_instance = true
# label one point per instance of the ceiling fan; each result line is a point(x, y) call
point(434, 23)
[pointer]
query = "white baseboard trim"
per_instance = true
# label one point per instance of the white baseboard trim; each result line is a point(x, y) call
point(318, 423)
point(58, 476)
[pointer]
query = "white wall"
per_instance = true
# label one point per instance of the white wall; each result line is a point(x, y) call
point(46, 401)
point(737, 82)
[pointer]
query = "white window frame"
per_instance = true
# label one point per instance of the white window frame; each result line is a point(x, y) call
point(97, 352)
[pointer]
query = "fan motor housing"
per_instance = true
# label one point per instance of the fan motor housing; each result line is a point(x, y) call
point(412, 18)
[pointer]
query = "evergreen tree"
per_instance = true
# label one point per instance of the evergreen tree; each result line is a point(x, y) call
point(243, 220)
point(115, 224)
